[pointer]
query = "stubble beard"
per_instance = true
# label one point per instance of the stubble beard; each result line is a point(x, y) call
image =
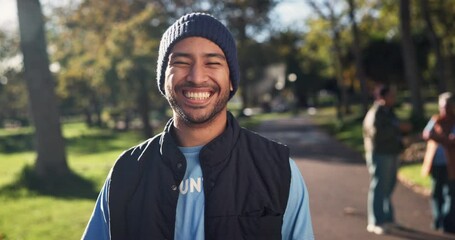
point(193, 120)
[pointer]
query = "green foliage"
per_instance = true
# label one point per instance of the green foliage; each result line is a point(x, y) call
point(16, 143)
point(13, 99)
point(9, 46)
point(110, 63)
point(316, 51)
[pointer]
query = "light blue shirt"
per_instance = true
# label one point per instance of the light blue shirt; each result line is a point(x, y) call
point(190, 206)
point(439, 158)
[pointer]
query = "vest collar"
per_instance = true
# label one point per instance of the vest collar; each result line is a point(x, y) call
point(220, 147)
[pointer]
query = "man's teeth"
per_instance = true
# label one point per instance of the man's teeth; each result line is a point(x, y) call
point(197, 95)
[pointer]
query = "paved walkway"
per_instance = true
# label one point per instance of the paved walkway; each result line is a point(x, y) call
point(337, 180)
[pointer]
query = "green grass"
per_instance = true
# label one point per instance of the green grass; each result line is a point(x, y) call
point(56, 213)
point(411, 173)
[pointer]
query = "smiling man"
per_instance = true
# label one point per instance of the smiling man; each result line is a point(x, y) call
point(203, 177)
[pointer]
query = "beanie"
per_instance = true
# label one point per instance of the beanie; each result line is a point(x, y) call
point(198, 25)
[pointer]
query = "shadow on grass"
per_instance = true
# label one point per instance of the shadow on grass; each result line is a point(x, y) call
point(16, 143)
point(70, 186)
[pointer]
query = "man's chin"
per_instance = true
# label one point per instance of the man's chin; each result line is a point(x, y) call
point(201, 118)
point(197, 120)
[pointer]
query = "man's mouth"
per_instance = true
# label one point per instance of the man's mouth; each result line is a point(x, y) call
point(196, 95)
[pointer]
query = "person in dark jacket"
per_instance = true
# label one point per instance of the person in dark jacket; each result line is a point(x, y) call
point(382, 134)
point(203, 177)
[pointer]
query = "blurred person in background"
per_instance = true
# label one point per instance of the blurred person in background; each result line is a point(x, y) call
point(439, 162)
point(382, 133)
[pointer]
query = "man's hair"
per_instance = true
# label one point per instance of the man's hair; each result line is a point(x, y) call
point(381, 91)
point(446, 98)
point(198, 25)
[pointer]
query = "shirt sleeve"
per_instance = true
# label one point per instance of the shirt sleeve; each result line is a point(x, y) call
point(429, 126)
point(297, 219)
point(98, 225)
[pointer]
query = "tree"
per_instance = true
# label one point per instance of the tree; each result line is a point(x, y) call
point(360, 71)
point(335, 31)
point(88, 83)
point(13, 98)
point(435, 42)
point(435, 15)
point(112, 59)
point(244, 19)
point(444, 16)
point(412, 73)
point(131, 48)
point(51, 155)
point(13, 93)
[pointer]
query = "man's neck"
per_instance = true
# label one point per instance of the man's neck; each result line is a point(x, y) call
point(190, 135)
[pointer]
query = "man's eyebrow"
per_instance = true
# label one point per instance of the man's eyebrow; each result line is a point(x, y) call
point(180, 54)
point(188, 55)
point(216, 55)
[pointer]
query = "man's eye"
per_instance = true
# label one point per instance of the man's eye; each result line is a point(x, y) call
point(180, 63)
point(213, 63)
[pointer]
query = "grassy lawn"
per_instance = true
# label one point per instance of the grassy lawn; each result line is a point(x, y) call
point(29, 214)
point(350, 133)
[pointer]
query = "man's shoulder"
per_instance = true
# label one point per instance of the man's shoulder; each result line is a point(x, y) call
point(252, 135)
point(258, 139)
point(129, 165)
point(135, 153)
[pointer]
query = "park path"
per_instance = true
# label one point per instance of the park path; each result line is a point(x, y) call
point(337, 181)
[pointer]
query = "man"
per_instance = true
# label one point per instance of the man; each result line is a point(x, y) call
point(203, 177)
point(382, 142)
point(439, 161)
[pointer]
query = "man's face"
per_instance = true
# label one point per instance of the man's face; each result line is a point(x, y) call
point(197, 83)
point(390, 98)
point(449, 108)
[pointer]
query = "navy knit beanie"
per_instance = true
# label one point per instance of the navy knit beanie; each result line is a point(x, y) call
point(198, 25)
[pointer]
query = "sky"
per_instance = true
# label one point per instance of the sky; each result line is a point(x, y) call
point(8, 14)
point(290, 13)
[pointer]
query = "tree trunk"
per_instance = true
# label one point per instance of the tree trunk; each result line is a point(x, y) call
point(360, 72)
point(51, 156)
point(244, 83)
point(144, 107)
point(88, 117)
point(343, 98)
point(436, 45)
point(99, 112)
point(409, 57)
point(448, 74)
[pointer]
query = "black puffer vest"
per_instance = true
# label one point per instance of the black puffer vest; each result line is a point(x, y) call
point(246, 186)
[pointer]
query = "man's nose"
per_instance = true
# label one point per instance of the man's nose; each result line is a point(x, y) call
point(197, 73)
